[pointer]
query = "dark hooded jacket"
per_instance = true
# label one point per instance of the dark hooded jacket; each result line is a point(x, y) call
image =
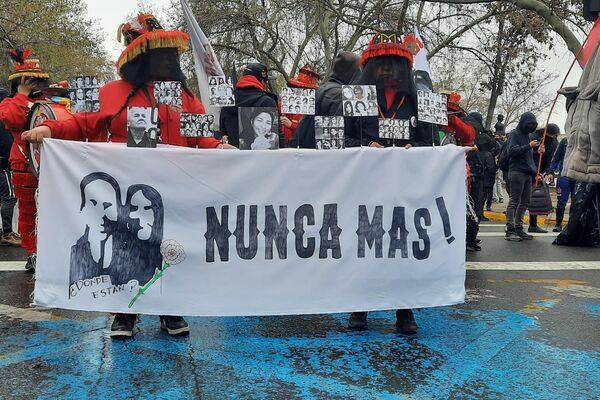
point(486, 147)
point(365, 130)
point(249, 92)
point(519, 152)
point(551, 144)
point(328, 98)
point(6, 138)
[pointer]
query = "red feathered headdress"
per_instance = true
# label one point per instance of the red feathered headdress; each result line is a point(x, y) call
point(24, 66)
point(145, 34)
point(307, 78)
point(386, 44)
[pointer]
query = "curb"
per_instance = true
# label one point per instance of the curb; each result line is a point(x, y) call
point(501, 217)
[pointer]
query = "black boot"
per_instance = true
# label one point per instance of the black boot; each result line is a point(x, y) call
point(358, 320)
point(533, 226)
point(122, 326)
point(174, 325)
point(31, 263)
point(560, 214)
point(405, 322)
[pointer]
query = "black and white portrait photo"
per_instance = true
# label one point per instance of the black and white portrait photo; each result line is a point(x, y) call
point(168, 92)
point(220, 89)
point(432, 107)
point(359, 100)
point(196, 125)
point(119, 239)
point(83, 92)
point(329, 133)
point(259, 128)
point(142, 126)
point(298, 101)
point(394, 129)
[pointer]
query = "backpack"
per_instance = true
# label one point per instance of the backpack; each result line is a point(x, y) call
point(503, 158)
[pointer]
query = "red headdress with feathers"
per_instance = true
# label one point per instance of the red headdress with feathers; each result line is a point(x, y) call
point(307, 78)
point(386, 43)
point(24, 66)
point(145, 34)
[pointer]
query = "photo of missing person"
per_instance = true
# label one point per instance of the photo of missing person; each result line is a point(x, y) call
point(196, 125)
point(142, 126)
point(432, 107)
point(394, 129)
point(298, 101)
point(168, 92)
point(329, 132)
point(220, 89)
point(359, 100)
point(259, 128)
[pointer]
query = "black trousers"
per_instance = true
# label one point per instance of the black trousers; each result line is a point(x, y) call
point(7, 200)
point(478, 201)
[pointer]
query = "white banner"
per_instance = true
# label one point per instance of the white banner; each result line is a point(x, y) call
point(249, 233)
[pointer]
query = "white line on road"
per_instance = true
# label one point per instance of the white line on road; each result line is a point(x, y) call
point(534, 266)
point(501, 234)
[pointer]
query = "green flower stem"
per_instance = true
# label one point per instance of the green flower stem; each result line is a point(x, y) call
point(142, 290)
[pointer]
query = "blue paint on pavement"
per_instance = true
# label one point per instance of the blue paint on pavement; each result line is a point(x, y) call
point(459, 353)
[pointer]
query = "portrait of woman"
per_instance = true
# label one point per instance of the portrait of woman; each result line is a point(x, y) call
point(361, 108)
point(259, 128)
point(348, 110)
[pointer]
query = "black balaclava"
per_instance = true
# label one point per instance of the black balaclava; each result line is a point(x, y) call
point(401, 74)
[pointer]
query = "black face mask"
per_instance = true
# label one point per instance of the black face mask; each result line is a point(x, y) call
point(530, 127)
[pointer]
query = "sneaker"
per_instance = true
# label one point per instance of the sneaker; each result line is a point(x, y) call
point(557, 228)
point(536, 229)
point(31, 262)
point(174, 325)
point(122, 326)
point(405, 322)
point(11, 239)
point(523, 235)
point(473, 247)
point(512, 236)
point(477, 241)
point(358, 321)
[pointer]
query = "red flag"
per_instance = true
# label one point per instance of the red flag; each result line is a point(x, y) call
point(591, 44)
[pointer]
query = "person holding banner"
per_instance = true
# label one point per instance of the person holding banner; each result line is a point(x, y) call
point(152, 54)
point(27, 83)
point(387, 63)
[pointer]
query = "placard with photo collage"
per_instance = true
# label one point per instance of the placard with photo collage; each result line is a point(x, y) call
point(221, 91)
point(197, 125)
point(432, 107)
point(298, 101)
point(398, 129)
point(168, 92)
point(259, 128)
point(329, 132)
point(359, 100)
point(84, 93)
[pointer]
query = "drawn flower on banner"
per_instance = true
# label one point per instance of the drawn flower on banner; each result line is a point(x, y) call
point(173, 253)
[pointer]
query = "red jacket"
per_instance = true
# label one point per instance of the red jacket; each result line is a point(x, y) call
point(13, 112)
point(95, 126)
point(288, 133)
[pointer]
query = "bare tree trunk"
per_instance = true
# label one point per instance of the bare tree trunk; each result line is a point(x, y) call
point(498, 76)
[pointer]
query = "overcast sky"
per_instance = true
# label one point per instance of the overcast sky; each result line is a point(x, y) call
point(111, 13)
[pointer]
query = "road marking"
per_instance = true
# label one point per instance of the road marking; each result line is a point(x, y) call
point(534, 266)
point(12, 265)
point(501, 234)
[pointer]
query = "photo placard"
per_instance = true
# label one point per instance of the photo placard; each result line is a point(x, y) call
point(359, 100)
point(329, 132)
point(142, 126)
point(196, 125)
point(298, 101)
point(259, 127)
point(168, 92)
point(398, 129)
point(432, 107)
point(84, 93)
point(221, 91)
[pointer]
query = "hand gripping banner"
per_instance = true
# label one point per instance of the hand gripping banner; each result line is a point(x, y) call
point(179, 231)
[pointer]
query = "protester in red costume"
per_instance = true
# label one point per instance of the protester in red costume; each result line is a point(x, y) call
point(152, 54)
point(306, 79)
point(27, 82)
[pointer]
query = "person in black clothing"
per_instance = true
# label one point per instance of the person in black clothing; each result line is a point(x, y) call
point(499, 126)
point(328, 98)
point(7, 195)
point(387, 64)
point(550, 145)
point(520, 172)
point(250, 91)
point(486, 147)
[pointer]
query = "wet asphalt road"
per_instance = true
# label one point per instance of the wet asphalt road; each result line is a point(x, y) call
point(530, 334)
